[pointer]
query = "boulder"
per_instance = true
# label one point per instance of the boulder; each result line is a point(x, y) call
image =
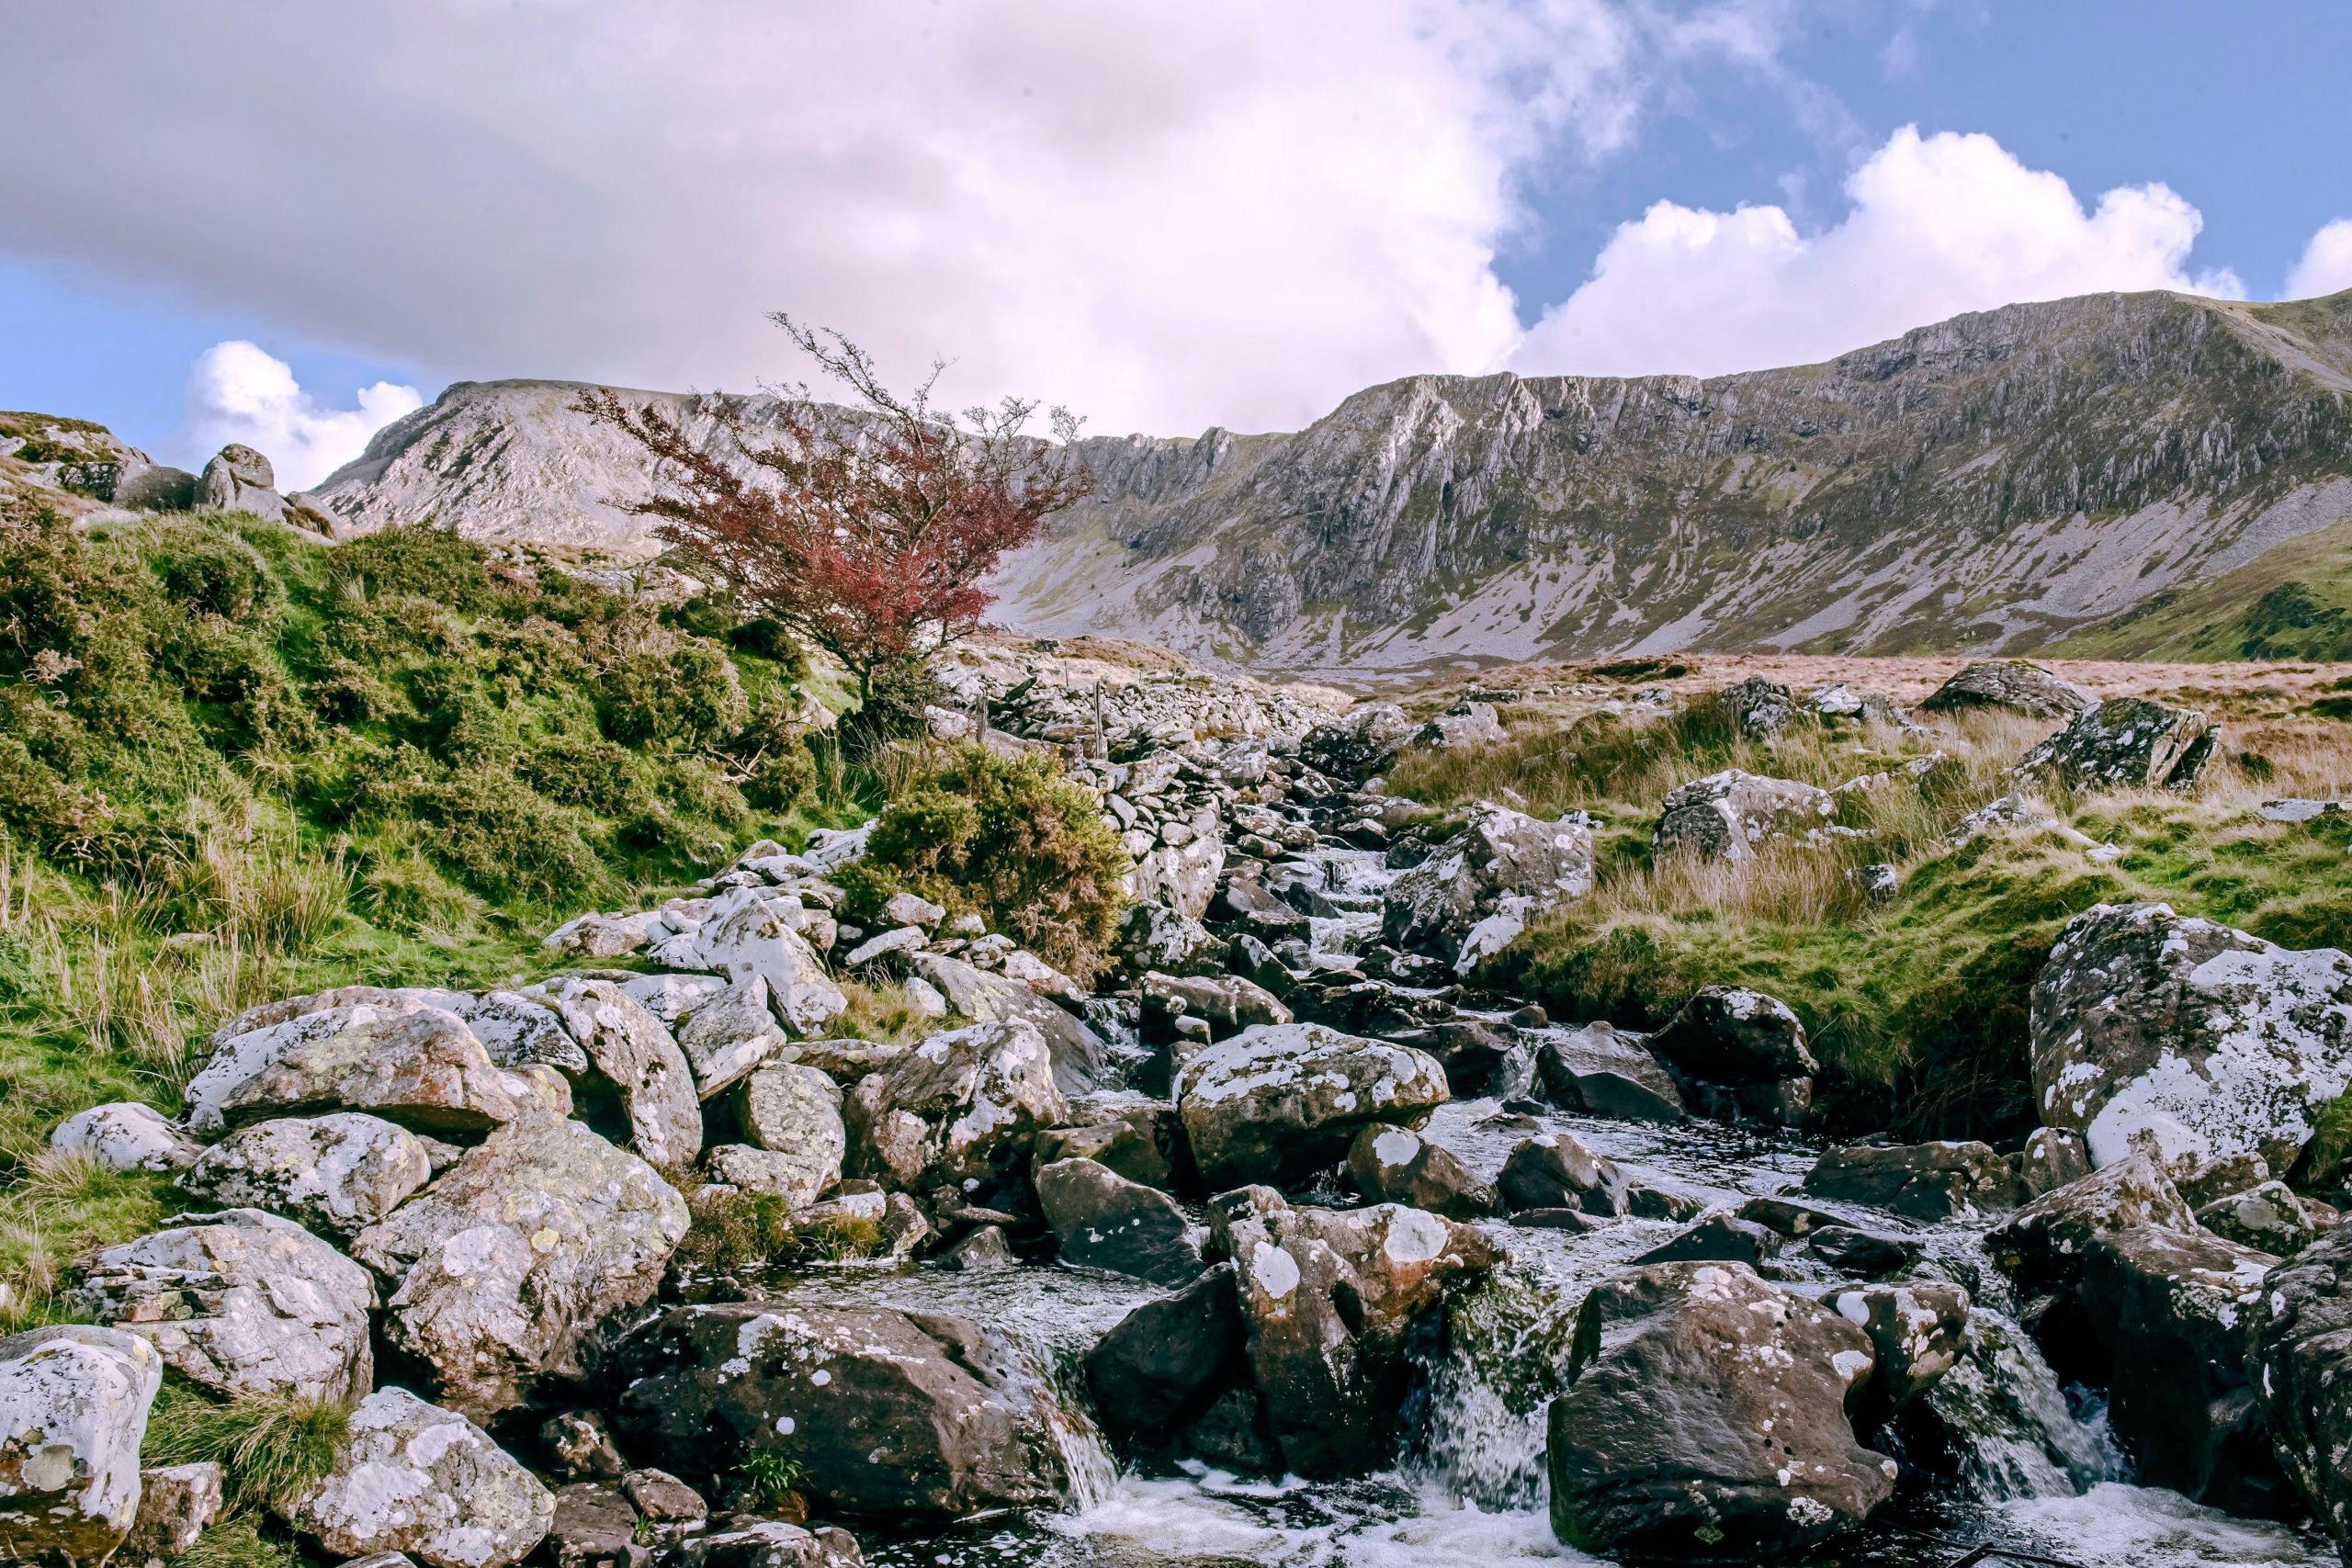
point(1248, 903)
point(2040, 1246)
point(1360, 742)
point(337, 1175)
point(1920, 1181)
point(1603, 1071)
point(2300, 1330)
point(1464, 724)
point(1705, 1421)
point(792, 1113)
point(125, 1135)
point(1725, 816)
point(509, 1264)
point(593, 1527)
point(1167, 1361)
point(744, 936)
point(2123, 743)
point(1155, 938)
point(1759, 706)
point(641, 1061)
point(1918, 1330)
point(1331, 1300)
point(2017, 684)
point(420, 1066)
point(1082, 1061)
point(579, 1448)
point(2053, 1157)
point(175, 1503)
point(727, 1034)
point(663, 1497)
point(241, 1302)
point(771, 1544)
point(1502, 866)
point(1143, 1140)
point(1720, 1238)
point(2268, 1218)
point(1279, 1101)
point(960, 1110)
point(1103, 1220)
point(1396, 1165)
point(1555, 1170)
point(1228, 1002)
point(1729, 1034)
point(74, 1403)
point(418, 1479)
point(1182, 877)
point(239, 479)
point(885, 1413)
point(2207, 1042)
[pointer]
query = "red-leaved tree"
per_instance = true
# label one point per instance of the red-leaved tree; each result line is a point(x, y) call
point(866, 530)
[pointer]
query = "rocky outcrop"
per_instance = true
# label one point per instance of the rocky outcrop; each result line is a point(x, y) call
point(1705, 1420)
point(1476, 891)
point(337, 1175)
point(1279, 1101)
point(640, 1062)
point(2125, 743)
point(1728, 816)
point(792, 1115)
point(961, 1110)
point(239, 479)
point(1397, 1165)
point(417, 1479)
point(1920, 1181)
point(2301, 1332)
point(885, 1413)
point(2018, 685)
point(1360, 742)
point(74, 1408)
point(2203, 1042)
point(507, 1265)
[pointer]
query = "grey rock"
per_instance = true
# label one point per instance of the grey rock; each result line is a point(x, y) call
point(1170, 1358)
point(961, 1110)
point(1603, 1071)
point(1082, 1061)
point(2300, 1330)
point(239, 479)
point(74, 1403)
point(2041, 1245)
point(744, 936)
point(2015, 685)
point(1728, 1034)
point(1555, 1170)
point(794, 1112)
point(1920, 1181)
point(1918, 1331)
point(1279, 1101)
point(1728, 815)
point(1476, 891)
point(771, 1544)
point(2268, 1218)
point(125, 1135)
point(595, 1527)
point(727, 1035)
point(663, 1497)
point(418, 1479)
point(580, 1449)
point(2125, 743)
point(1228, 1002)
point(1396, 1165)
point(175, 1503)
point(335, 1174)
point(642, 1063)
point(1101, 1220)
point(1724, 1238)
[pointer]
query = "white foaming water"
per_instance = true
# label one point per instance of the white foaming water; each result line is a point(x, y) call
point(2023, 1439)
point(1210, 1522)
point(2112, 1523)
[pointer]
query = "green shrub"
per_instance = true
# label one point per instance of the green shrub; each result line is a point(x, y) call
point(504, 840)
point(782, 779)
point(689, 697)
point(207, 570)
point(586, 771)
point(433, 565)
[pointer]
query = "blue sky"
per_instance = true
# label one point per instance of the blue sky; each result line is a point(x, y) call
point(1167, 216)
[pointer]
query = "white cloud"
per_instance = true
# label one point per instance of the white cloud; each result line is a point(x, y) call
point(2326, 265)
point(1937, 225)
point(237, 392)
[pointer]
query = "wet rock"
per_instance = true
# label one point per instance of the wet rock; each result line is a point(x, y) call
point(1228, 1002)
point(241, 1302)
point(508, 1265)
point(2300, 1328)
point(726, 1035)
point(1553, 1171)
point(2017, 684)
point(771, 1544)
point(1154, 937)
point(74, 1403)
point(416, 1478)
point(2041, 1245)
point(1474, 893)
point(1728, 815)
point(1360, 742)
point(1646, 1202)
point(1082, 1061)
point(580, 1449)
point(1724, 1238)
point(175, 1503)
point(1279, 1101)
point(982, 1250)
point(1916, 1331)
point(336, 1174)
point(642, 1062)
point(1247, 903)
point(1866, 1253)
point(1331, 1300)
point(1143, 1141)
point(744, 936)
point(2208, 1042)
point(595, 1527)
point(1920, 1181)
point(1729, 1034)
point(2124, 742)
point(792, 1113)
point(1103, 1220)
point(1396, 1165)
point(1705, 1421)
point(1603, 1072)
point(2268, 1218)
point(2053, 1157)
point(961, 1110)
point(887, 1413)
point(1168, 1360)
point(125, 1135)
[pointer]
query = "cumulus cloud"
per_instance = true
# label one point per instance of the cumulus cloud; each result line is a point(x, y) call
point(1937, 225)
point(238, 392)
point(2326, 265)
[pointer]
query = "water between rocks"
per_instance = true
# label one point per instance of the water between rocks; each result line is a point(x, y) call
point(2027, 1464)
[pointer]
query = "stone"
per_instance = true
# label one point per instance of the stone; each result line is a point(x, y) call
point(419, 1479)
point(2300, 1332)
point(1277, 1102)
point(1396, 1165)
point(2041, 1245)
point(2053, 1157)
point(241, 1302)
point(239, 479)
point(1101, 1220)
point(2124, 742)
point(1182, 877)
point(125, 1135)
point(1555, 1170)
point(1331, 1300)
point(1919, 1181)
point(982, 1250)
point(2205, 1042)
point(1728, 815)
point(579, 1448)
point(1167, 1361)
point(2268, 1218)
point(1728, 1034)
point(1723, 1237)
point(1228, 1002)
point(793, 1111)
point(1706, 1421)
point(508, 1266)
point(1863, 1252)
point(1464, 724)
point(1154, 937)
point(595, 1527)
point(1360, 742)
point(663, 1497)
point(744, 936)
point(598, 935)
point(1081, 1060)
point(1602, 1071)
point(641, 1061)
point(1916, 1329)
point(771, 1544)
point(727, 1035)
point(961, 1110)
point(908, 909)
point(1473, 894)
point(1759, 706)
point(74, 1403)
point(2017, 684)
point(336, 1174)
point(885, 1413)
point(420, 1066)
point(1142, 1140)
point(175, 1503)
point(899, 939)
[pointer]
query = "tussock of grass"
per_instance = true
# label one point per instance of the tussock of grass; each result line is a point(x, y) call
point(753, 1230)
point(273, 1453)
point(238, 1543)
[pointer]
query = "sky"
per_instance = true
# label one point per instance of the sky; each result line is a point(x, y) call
point(287, 223)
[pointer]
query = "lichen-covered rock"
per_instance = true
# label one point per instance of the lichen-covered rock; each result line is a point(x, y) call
point(1556, 1170)
point(1502, 870)
point(125, 1135)
point(641, 1061)
point(792, 1114)
point(960, 1110)
point(2053, 1157)
point(1604, 1071)
point(1759, 706)
point(1080, 1058)
point(242, 1303)
point(1397, 1165)
point(1725, 816)
point(1331, 1299)
point(1182, 877)
point(1729, 1034)
point(1922, 1181)
point(2268, 1218)
point(1705, 1420)
point(771, 1544)
point(420, 1066)
point(1228, 1003)
point(238, 478)
point(726, 1035)
point(2041, 1245)
point(887, 1413)
point(1101, 1220)
point(175, 1503)
point(2206, 1041)
point(1360, 742)
point(2125, 743)
point(742, 936)
point(508, 1264)
point(1154, 937)
point(74, 1405)
point(2300, 1328)
point(416, 1478)
point(336, 1174)
point(1279, 1101)
point(2017, 684)
point(1916, 1331)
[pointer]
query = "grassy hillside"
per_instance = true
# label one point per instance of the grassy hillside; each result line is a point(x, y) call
point(2294, 601)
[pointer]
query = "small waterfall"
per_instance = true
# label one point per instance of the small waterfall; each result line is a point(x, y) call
point(2013, 1432)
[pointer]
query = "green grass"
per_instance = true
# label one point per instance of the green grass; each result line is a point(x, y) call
point(769, 1479)
point(239, 1543)
point(273, 1453)
point(2293, 601)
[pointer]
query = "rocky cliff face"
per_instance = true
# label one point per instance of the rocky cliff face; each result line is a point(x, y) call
point(1991, 480)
